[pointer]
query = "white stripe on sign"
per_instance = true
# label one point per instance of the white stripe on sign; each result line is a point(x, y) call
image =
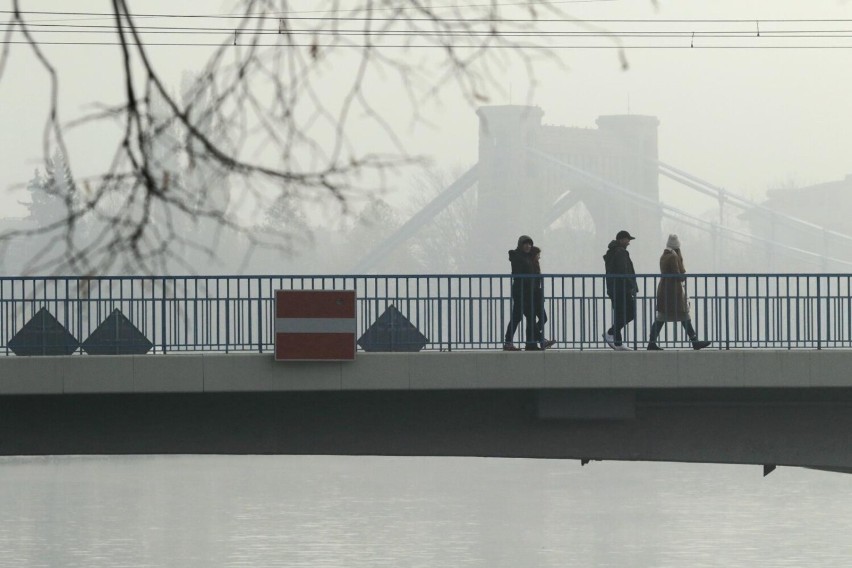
point(314, 325)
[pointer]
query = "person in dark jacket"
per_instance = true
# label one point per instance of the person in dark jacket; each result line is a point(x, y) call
point(672, 304)
point(621, 288)
point(538, 301)
point(522, 295)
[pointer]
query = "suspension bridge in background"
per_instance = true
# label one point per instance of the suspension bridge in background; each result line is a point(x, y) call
point(530, 175)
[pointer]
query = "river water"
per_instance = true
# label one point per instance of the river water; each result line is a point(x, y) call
point(318, 511)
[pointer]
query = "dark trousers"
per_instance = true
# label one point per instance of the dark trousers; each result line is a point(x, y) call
point(540, 320)
point(658, 326)
point(624, 311)
point(522, 307)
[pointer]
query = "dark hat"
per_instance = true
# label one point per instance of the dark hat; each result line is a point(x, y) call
point(624, 235)
point(524, 239)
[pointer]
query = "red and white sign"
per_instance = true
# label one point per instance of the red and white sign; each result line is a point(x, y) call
point(314, 325)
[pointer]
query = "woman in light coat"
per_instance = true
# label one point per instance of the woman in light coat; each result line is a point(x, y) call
point(672, 305)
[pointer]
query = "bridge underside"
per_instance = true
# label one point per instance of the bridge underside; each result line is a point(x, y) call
point(797, 427)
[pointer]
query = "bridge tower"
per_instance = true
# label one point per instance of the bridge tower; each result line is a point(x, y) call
point(516, 190)
point(631, 142)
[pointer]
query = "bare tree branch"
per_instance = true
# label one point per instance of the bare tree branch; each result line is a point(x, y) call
point(260, 122)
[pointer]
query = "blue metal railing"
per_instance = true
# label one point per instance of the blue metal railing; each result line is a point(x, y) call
point(454, 312)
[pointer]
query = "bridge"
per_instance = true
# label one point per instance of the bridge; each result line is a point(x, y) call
point(774, 389)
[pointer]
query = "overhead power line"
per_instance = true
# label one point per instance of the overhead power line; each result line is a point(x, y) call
point(191, 30)
point(667, 34)
point(291, 16)
point(438, 46)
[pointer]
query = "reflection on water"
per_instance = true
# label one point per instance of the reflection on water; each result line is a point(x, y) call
point(295, 511)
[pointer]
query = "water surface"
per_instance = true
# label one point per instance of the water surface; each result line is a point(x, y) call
point(301, 511)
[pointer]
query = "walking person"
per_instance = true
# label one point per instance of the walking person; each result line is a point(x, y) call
point(522, 295)
point(538, 301)
point(621, 288)
point(672, 304)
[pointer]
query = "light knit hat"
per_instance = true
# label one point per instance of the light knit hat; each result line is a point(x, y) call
point(673, 242)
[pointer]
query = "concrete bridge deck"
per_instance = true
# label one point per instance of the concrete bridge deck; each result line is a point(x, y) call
point(460, 370)
point(749, 407)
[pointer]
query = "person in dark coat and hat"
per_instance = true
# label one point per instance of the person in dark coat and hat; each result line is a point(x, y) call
point(672, 304)
point(621, 288)
point(523, 298)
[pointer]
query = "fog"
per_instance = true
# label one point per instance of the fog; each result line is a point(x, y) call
point(756, 128)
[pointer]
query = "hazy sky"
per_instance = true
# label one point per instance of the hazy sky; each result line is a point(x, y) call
point(742, 117)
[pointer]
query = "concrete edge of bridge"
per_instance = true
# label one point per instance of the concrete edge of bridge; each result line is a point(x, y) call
point(555, 369)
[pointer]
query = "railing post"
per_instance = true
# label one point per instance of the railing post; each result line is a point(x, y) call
point(163, 318)
point(79, 316)
point(449, 314)
point(818, 312)
point(727, 314)
point(260, 315)
point(4, 331)
point(227, 314)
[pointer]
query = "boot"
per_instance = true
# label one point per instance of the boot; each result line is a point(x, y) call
point(656, 328)
point(700, 344)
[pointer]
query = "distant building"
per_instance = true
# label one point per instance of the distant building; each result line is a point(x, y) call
point(824, 211)
point(825, 204)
